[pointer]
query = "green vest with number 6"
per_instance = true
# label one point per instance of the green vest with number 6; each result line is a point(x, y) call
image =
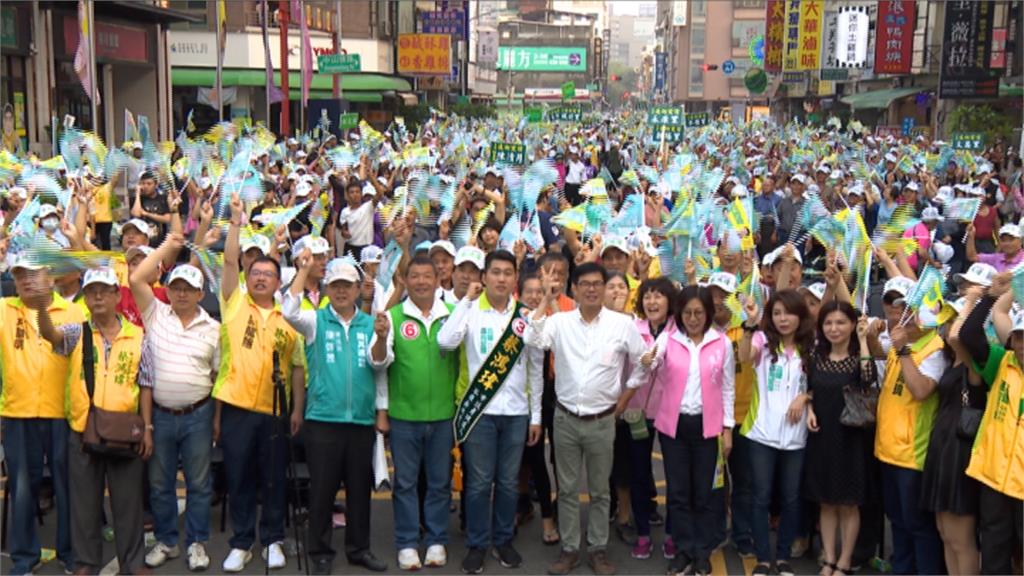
point(421, 380)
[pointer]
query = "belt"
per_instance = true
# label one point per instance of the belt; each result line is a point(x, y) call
point(598, 416)
point(185, 410)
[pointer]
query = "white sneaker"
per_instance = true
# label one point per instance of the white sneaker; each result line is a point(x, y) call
point(162, 553)
point(409, 559)
point(275, 557)
point(197, 558)
point(236, 560)
point(437, 556)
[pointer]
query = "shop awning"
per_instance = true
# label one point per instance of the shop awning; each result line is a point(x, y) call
point(353, 96)
point(207, 77)
point(876, 99)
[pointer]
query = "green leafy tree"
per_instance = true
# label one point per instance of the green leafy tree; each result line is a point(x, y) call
point(983, 118)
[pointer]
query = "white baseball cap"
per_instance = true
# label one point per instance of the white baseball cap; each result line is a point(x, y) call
point(205, 183)
point(443, 245)
point(799, 178)
point(723, 280)
point(303, 189)
point(1018, 322)
point(979, 273)
point(943, 252)
point(371, 254)
point(774, 255)
point(140, 225)
point(18, 191)
point(317, 245)
point(1010, 229)
point(25, 263)
point(134, 251)
point(257, 241)
point(47, 210)
point(890, 157)
point(187, 273)
point(340, 269)
point(931, 214)
point(102, 275)
point(912, 186)
point(958, 304)
point(739, 191)
point(900, 284)
point(614, 242)
point(471, 254)
point(817, 289)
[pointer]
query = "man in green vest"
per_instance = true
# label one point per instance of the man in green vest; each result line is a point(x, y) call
point(421, 404)
point(343, 397)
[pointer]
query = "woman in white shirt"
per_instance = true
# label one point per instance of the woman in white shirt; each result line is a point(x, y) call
point(776, 420)
point(696, 408)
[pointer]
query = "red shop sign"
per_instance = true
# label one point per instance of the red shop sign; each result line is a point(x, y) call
point(113, 41)
point(894, 36)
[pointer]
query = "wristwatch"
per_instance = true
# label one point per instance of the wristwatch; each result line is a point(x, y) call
point(904, 350)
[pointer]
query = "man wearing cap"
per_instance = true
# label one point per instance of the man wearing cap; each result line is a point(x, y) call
point(615, 257)
point(120, 382)
point(312, 296)
point(32, 415)
point(442, 254)
point(499, 406)
point(914, 363)
point(790, 206)
point(421, 404)
point(259, 351)
point(1009, 254)
point(184, 343)
point(346, 399)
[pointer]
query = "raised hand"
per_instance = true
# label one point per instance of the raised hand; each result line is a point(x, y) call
point(381, 325)
point(474, 291)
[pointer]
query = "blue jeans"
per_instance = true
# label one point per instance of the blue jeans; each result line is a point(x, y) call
point(742, 491)
point(428, 444)
point(190, 436)
point(781, 468)
point(916, 547)
point(494, 450)
point(25, 441)
point(255, 461)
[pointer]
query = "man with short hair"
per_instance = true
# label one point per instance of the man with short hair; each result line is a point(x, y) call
point(442, 254)
point(590, 344)
point(346, 398)
point(260, 351)
point(421, 404)
point(1010, 253)
point(184, 343)
point(499, 409)
point(32, 416)
point(152, 206)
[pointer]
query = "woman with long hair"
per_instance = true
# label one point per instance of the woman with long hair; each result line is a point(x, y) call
point(654, 319)
point(835, 475)
point(697, 367)
point(776, 345)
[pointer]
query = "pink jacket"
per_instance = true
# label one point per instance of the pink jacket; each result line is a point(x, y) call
point(674, 370)
point(656, 385)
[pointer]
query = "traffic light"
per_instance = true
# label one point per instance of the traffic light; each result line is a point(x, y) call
point(708, 67)
point(615, 78)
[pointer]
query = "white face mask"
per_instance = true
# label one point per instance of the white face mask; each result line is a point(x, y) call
point(50, 224)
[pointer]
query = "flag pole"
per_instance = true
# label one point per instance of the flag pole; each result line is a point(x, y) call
point(95, 83)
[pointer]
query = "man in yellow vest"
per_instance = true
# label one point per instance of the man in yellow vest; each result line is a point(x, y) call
point(259, 351)
point(996, 456)
point(907, 406)
point(120, 383)
point(32, 412)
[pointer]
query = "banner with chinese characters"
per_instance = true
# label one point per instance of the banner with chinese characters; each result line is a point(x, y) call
point(665, 116)
point(851, 50)
point(894, 37)
point(966, 51)
point(973, 141)
point(425, 54)
point(697, 119)
point(566, 114)
point(509, 154)
point(449, 22)
point(669, 134)
point(774, 35)
point(805, 19)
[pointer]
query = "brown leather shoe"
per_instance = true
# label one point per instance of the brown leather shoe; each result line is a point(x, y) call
point(600, 564)
point(567, 560)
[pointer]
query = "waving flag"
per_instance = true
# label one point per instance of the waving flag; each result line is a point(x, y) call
point(85, 62)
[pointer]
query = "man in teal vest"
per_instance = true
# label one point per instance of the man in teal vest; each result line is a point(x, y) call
point(345, 399)
point(421, 404)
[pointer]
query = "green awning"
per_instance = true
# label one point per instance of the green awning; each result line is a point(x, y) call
point(1010, 90)
point(351, 96)
point(876, 99)
point(207, 77)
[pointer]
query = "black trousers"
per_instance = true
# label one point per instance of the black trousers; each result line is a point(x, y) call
point(690, 475)
point(572, 194)
point(337, 453)
point(103, 234)
point(999, 524)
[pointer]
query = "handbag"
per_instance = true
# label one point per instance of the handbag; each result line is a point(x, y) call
point(111, 434)
point(860, 406)
point(970, 417)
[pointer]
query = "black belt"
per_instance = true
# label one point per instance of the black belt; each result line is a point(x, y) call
point(597, 416)
point(185, 410)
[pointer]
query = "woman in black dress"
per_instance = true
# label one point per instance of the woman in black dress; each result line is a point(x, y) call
point(946, 489)
point(836, 470)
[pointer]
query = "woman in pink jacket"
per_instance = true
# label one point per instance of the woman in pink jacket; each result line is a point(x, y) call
point(698, 371)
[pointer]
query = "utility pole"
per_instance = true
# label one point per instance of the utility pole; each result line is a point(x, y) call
point(283, 11)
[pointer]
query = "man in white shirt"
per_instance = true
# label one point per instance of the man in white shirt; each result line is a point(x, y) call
point(590, 344)
point(496, 408)
point(576, 173)
point(185, 347)
point(356, 219)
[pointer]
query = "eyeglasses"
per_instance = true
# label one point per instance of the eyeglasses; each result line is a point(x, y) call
point(262, 274)
point(593, 285)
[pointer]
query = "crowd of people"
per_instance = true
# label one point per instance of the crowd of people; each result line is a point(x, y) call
point(818, 326)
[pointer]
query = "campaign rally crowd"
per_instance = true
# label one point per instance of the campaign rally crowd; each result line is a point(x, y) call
point(818, 325)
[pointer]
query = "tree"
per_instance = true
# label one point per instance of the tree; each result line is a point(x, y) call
point(626, 82)
point(974, 118)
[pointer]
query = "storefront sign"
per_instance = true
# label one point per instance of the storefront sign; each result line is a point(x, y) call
point(886, 131)
point(487, 46)
point(811, 17)
point(349, 121)
point(998, 59)
point(425, 54)
point(566, 114)
point(679, 12)
point(907, 125)
point(665, 116)
point(660, 70)
point(973, 141)
point(547, 59)
point(338, 63)
point(966, 52)
point(8, 27)
point(774, 35)
point(851, 49)
point(835, 74)
point(505, 153)
point(669, 134)
point(113, 41)
point(696, 120)
point(449, 22)
point(894, 37)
